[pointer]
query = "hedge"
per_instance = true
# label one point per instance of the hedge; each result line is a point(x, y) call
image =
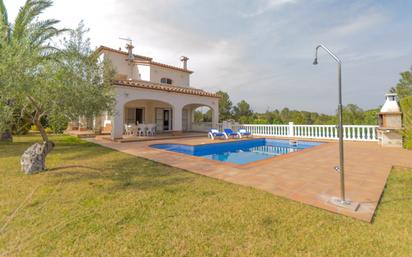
point(406, 107)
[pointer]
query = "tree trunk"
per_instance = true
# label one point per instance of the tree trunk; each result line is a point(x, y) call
point(41, 130)
point(33, 159)
point(6, 136)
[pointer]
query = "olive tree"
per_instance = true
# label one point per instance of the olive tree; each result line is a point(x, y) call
point(40, 78)
point(6, 110)
point(75, 82)
point(6, 117)
point(28, 30)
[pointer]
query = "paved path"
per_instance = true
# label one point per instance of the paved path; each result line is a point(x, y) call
point(306, 176)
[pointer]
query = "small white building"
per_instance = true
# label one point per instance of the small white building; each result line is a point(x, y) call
point(390, 122)
point(149, 92)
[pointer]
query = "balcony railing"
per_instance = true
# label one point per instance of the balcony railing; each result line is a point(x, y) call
point(350, 132)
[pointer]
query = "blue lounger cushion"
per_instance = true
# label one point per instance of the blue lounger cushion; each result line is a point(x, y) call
point(216, 133)
point(230, 132)
point(243, 132)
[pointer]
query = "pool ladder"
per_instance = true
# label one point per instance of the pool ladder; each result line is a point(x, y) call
point(293, 143)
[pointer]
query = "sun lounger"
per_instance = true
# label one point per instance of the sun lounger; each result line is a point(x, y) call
point(230, 133)
point(244, 133)
point(213, 133)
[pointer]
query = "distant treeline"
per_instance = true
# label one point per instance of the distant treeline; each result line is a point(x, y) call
point(352, 115)
point(242, 113)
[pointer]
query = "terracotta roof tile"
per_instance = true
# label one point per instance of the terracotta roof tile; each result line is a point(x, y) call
point(102, 48)
point(148, 60)
point(163, 65)
point(161, 87)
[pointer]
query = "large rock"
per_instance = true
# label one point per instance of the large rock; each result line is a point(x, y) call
point(33, 159)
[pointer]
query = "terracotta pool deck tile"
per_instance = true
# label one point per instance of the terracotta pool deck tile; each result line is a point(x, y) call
point(306, 176)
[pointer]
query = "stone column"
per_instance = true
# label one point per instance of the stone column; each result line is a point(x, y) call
point(215, 116)
point(177, 118)
point(190, 118)
point(118, 121)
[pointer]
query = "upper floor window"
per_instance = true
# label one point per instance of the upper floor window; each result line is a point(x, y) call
point(166, 81)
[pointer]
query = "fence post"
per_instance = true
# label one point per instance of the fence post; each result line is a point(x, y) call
point(290, 132)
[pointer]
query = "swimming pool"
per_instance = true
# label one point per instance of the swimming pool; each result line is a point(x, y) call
point(239, 152)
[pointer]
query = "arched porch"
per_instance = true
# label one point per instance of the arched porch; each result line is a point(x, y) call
point(191, 121)
point(149, 112)
point(169, 111)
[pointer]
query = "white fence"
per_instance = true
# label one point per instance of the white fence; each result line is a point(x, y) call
point(350, 132)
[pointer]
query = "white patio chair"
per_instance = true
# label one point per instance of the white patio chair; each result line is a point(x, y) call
point(134, 129)
point(141, 129)
point(127, 130)
point(151, 129)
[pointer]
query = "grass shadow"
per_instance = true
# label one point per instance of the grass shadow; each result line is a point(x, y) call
point(10, 150)
point(71, 167)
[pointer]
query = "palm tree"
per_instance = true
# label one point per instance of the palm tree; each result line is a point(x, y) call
point(28, 29)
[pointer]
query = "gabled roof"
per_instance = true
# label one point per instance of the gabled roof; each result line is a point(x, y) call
point(162, 87)
point(147, 60)
point(102, 48)
point(163, 65)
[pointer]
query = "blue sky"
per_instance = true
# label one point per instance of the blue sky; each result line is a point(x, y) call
point(262, 50)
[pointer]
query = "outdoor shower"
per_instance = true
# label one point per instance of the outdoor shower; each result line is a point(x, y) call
point(342, 201)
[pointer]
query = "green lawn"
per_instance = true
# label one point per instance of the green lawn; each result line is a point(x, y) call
point(97, 202)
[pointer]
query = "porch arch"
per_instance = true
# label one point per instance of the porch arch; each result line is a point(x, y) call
point(176, 101)
point(148, 100)
point(188, 117)
point(149, 111)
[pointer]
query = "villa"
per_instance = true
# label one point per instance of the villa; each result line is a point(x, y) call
point(149, 92)
point(289, 160)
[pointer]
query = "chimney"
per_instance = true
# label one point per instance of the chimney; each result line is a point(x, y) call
point(184, 60)
point(130, 58)
point(129, 48)
point(391, 104)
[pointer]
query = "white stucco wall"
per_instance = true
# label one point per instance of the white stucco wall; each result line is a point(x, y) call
point(122, 67)
point(179, 78)
point(146, 72)
point(126, 95)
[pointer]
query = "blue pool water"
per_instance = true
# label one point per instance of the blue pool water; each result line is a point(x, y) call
point(239, 152)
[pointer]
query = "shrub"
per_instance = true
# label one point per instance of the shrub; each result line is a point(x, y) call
point(20, 127)
point(406, 106)
point(34, 128)
point(260, 121)
point(58, 123)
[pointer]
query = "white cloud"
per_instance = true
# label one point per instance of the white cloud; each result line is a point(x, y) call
point(359, 24)
point(266, 61)
point(266, 6)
